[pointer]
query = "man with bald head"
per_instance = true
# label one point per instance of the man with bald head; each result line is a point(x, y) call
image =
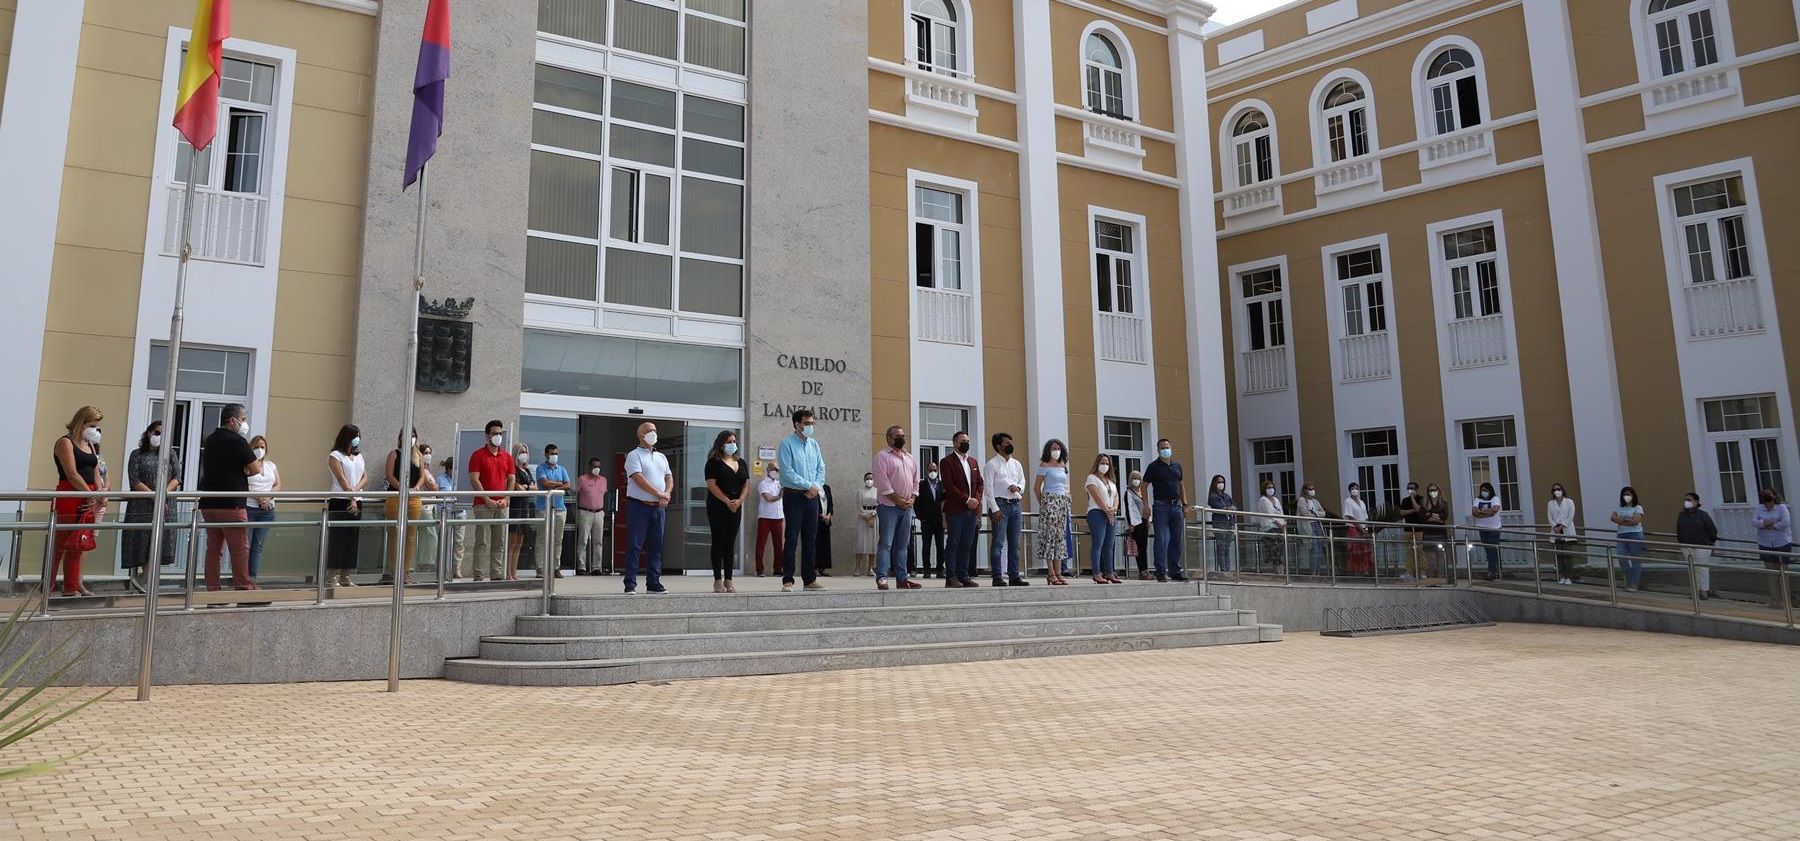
point(649, 486)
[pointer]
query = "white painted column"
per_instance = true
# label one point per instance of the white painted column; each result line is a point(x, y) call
point(1599, 421)
point(1046, 368)
point(1208, 397)
point(34, 140)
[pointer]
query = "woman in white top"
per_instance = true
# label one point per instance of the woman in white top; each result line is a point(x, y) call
point(868, 537)
point(1268, 503)
point(1051, 547)
point(1358, 555)
point(1313, 547)
point(262, 506)
point(1559, 512)
point(1485, 514)
point(1134, 524)
point(348, 475)
point(1102, 514)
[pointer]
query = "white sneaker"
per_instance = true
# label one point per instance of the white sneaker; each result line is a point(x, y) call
point(787, 588)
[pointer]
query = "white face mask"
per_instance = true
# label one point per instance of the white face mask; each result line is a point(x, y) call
point(1485, 495)
point(552, 459)
point(1269, 493)
point(156, 440)
point(650, 438)
point(593, 471)
point(1434, 494)
point(259, 452)
point(1056, 455)
point(356, 443)
point(1353, 490)
point(91, 435)
point(1219, 486)
point(933, 475)
point(1136, 482)
point(1687, 503)
point(1557, 493)
point(1628, 499)
point(868, 483)
point(243, 428)
point(497, 438)
point(1105, 468)
point(522, 458)
point(1311, 494)
point(774, 475)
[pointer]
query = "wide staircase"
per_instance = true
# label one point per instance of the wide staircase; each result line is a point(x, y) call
point(610, 639)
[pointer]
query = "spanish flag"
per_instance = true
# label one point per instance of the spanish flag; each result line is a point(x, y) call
point(197, 99)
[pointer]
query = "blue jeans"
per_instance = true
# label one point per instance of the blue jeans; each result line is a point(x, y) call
point(1168, 521)
point(1490, 544)
point(257, 536)
point(1100, 530)
point(1011, 523)
point(644, 538)
point(1631, 553)
point(1068, 546)
point(959, 552)
point(802, 535)
point(895, 530)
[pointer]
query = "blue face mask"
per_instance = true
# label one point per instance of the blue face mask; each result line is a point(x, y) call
point(807, 430)
point(1166, 452)
point(731, 449)
point(356, 443)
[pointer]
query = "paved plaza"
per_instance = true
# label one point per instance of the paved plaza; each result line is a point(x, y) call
point(1497, 733)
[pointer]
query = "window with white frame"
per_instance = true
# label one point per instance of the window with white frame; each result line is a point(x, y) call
point(1253, 147)
point(940, 239)
point(1714, 233)
point(1103, 72)
point(1744, 435)
point(936, 36)
point(703, 33)
point(1453, 88)
point(1265, 318)
point(1124, 444)
point(1272, 460)
point(1491, 450)
point(1361, 286)
point(1115, 278)
point(1471, 261)
point(1344, 113)
point(234, 161)
point(636, 195)
point(1375, 462)
point(1684, 35)
point(937, 430)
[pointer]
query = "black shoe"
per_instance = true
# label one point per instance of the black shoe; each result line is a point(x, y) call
point(1161, 578)
point(999, 582)
point(968, 582)
point(1017, 582)
point(953, 583)
point(1178, 577)
point(387, 579)
point(657, 588)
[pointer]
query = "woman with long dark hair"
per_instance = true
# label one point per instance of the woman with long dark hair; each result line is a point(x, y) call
point(140, 475)
point(348, 475)
point(1629, 517)
point(727, 485)
point(1485, 514)
point(1052, 488)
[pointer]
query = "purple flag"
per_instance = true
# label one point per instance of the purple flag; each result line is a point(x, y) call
point(428, 90)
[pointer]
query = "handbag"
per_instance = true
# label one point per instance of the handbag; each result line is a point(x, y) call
point(82, 540)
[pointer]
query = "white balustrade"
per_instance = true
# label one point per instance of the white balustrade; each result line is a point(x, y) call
point(943, 91)
point(1478, 341)
point(945, 315)
point(1122, 338)
point(1456, 147)
point(227, 226)
point(1723, 308)
point(1698, 86)
point(1265, 370)
point(1113, 134)
point(1349, 174)
point(1735, 522)
point(1365, 357)
point(1252, 198)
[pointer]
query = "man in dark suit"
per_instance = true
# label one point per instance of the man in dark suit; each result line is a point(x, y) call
point(928, 509)
point(961, 477)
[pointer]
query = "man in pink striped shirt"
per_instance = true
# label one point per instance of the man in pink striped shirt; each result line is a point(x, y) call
point(896, 486)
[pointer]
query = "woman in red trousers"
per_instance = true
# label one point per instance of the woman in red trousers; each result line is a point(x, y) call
point(78, 468)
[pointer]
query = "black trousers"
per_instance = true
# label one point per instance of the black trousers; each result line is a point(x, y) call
point(342, 546)
point(724, 523)
point(919, 554)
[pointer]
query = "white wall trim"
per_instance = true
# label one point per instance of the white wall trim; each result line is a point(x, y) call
point(1123, 389)
point(1763, 56)
point(1648, 134)
point(965, 37)
point(930, 359)
point(910, 72)
point(1112, 169)
point(1389, 195)
point(1423, 125)
point(1040, 219)
point(1338, 37)
point(1128, 20)
point(1315, 117)
point(902, 121)
point(1228, 144)
point(1392, 151)
point(367, 7)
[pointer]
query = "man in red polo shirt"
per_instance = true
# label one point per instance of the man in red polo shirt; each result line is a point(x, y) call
point(490, 469)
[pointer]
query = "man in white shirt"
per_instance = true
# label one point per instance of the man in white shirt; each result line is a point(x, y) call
point(770, 518)
point(649, 488)
point(1004, 481)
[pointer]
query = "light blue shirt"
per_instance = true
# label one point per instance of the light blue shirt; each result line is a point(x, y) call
point(555, 473)
point(1779, 528)
point(802, 463)
point(1626, 512)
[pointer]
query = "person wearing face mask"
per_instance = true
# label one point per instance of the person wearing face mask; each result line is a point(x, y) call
point(1359, 557)
point(964, 490)
point(822, 546)
point(553, 476)
point(1312, 545)
point(490, 468)
point(1168, 511)
point(419, 480)
point(459, 510)
point(428, 530)
point(1102, 515)
point(769, 518)
point(1133, 512)
point(727, 486)
point(1696, 532)
point(1559, 512)
point(349, 475)
point(1412, 516)
point(1003, 488)
point(522, 537)
point(896, 475)
point(140, 473)
point(1272, 525)
point(928, 508)
point(1052, 489)
point(647, 498)
point(1434, 534)
point(1775, 538)
point(1485, 516)
point(868, 529)
point(590, 520)
point(78, 468)
point(226, 464)
point(262, 506)
point(1629, 517)
point(1224, 526)
point(802, 481)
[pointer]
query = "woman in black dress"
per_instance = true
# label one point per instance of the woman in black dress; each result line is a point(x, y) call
point(140, 475)
point(727, 483)
point(826, 510)
point(523, 538)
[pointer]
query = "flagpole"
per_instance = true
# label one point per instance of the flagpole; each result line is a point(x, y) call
point(403, 470)
point(158, 534)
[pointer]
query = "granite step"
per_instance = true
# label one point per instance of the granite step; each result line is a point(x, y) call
point(601, 672)
point(850, 592)
point(542, 649)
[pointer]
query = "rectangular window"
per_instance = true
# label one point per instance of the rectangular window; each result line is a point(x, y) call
point(1364, 296)
point(712, 217)
point(1744, 431)
point(582, 20)
point(1115, 246)
point(711, 287)
point(713, 43)
point(1714, 234)
point(246, 98)
point(564, 195)
point(561, 88)
point(1273, 461)
point(638, 278)
point(1474, 270)
point(588, 365)
point(938, 238)
point(202, 370)
point(1264, 308)
point(643, 28)
point(1124, 442)
point(1375, 457)
point(639, 207)
point(562, 268)
point(1668, 47)
point(937, 430)
point(1490, 447)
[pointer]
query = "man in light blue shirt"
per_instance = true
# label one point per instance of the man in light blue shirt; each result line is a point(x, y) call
point(802, 481)
point(552, 476)
point(459, 509)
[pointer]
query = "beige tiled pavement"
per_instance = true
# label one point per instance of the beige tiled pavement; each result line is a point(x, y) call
point(1512, 732)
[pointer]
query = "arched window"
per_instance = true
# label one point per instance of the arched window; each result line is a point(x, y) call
point(1684, 34)
point(1452, 80)
point(936, 36)
point(1104, 70)
point(1253, 148)
point(1345, 109)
